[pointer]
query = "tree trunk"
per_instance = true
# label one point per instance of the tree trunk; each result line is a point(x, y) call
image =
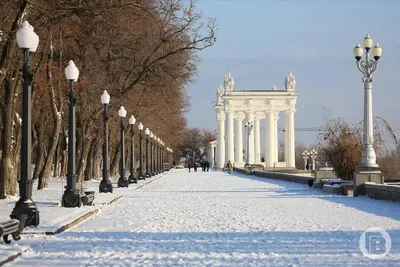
point(114, 167)
point(39, 157)
point(64, 156)
point(8, 180)
point(57, 159)
point(89, 162)
point(82, 163)
point(43, 180)
point(97, 166)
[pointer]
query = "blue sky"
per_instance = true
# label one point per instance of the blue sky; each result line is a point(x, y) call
point(259, 41)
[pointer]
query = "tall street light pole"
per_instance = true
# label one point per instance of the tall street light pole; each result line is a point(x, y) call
point(368, 171)
point(158, 154)
point(151, 155)
point(155, 143)
point(132, 176)
point(105, 184)
point(162, 156)
point(305, 155)
point(122, 181)
point(313, 154)
point(147, 132)
point(25, 209)
point(71, 197)
point(367, 67)
point(141, 174)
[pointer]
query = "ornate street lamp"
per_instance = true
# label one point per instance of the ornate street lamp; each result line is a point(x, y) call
point(158, 154)
point(25, 209)
point(105, 184)
point(305, 155)
point(151, 154)
point(147, 132)
point(141, 174)
point(155, 143)
point(313, 154)
point(132, 176)
point(122, 181)
point(367, 67)
point(162, 155)
point(248, 127)
point(71, 197)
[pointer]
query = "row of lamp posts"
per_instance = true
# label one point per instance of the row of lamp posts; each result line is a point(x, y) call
point(154, 153)
point(307, 154)
point(25, 209)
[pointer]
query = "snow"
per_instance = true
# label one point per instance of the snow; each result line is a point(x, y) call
point(48, 202)
point(213, 218)
point(7, 251)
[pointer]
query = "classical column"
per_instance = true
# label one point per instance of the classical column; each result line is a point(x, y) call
point(250, 118)
point(269, 146)
point(212, 156)
point(221, 140)
point(289, 138)
point(239, 139)
point(276, 143)
point(257, 156)
point(229, 140)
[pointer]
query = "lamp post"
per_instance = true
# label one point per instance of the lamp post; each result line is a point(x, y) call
point(367, 67)
point(141, 174)
point(305, 155)
point(248, 127)
point(105, 184)
point(122, 181)
point(71, 197)
point(162, 156)
point(132, 176)
point(155, 142)
point(155, 154)
point(151, 155)
point(25, 209)
point(313, 154)
point(158, 154)
point(147, 133)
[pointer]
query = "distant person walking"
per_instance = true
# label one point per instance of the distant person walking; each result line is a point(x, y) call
point(229, 166)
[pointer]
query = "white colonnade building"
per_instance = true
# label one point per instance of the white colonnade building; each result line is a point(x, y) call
point(235, 108)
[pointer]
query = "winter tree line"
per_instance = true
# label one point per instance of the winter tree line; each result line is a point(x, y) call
point(143, 52)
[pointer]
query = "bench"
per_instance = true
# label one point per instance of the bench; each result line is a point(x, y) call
point(10, 227)
point(333, 189)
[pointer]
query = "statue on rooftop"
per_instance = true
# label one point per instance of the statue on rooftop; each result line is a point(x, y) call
point(290, 82)
point(229, 82)
point(220, 92)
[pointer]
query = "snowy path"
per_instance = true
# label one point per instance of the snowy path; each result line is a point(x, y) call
point(216, 219)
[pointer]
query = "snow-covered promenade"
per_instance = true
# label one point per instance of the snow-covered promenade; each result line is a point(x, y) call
point(216, 219)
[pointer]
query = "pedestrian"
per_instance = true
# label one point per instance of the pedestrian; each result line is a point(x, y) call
point(189, 165)
point(195, 167)
point(207, 165)
point(229, 166)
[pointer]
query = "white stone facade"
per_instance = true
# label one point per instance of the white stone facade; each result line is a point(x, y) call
point(236, 107)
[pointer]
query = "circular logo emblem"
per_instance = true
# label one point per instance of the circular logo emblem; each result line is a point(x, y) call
point(375, 243)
